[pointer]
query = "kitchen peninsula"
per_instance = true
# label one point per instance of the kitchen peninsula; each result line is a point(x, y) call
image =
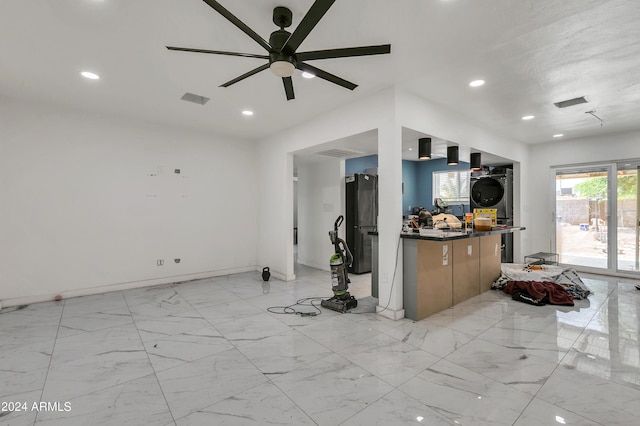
point(442, 269)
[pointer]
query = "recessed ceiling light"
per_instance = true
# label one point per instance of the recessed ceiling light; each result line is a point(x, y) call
point(476, 83)
point(247, 112)
point(90, 75)
point(410, 149)
point(307, 74)
point(528, 117)
point(558, 135)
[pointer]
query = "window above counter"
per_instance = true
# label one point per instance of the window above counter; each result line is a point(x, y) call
point(452, 186)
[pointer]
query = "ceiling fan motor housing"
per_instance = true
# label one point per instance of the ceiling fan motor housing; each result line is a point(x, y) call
point(281, 57)
point(278, 38)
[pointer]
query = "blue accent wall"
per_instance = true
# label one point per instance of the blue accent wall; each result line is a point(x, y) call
point(410, 182)
point(417, 179)
point(360, 165)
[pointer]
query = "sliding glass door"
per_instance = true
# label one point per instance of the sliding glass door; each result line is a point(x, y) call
point(597, 220)
point(582, 216)
point(627, 217)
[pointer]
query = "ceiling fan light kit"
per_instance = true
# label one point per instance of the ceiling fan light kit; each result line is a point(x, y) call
point(281, 48)
point(282, 68)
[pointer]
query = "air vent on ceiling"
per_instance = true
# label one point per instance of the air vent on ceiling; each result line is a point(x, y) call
point(196, 99)
point(338, 153)
point(571, 102)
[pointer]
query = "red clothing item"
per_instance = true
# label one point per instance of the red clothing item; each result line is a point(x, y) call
point(545, 291)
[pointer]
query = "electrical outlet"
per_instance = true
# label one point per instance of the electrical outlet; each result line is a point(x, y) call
point(160, 262)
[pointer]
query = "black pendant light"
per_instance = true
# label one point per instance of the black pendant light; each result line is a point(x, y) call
point(424, 148)
point(452, 156)
point(476, 161)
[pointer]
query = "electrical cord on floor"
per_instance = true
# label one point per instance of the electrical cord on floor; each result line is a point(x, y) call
point(393, 278)
point(314, 302)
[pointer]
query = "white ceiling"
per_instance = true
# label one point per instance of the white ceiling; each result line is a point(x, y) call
point(531, 53)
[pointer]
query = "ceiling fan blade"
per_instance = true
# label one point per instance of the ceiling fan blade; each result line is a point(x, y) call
point(245, 75)
point(288, 87)
point(344, 52)
point(317, 11)
point(217, 52)
point(326, 76)
point(238, 23)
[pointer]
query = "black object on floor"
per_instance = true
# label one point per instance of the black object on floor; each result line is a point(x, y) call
point(521, 296)
point(266, 274)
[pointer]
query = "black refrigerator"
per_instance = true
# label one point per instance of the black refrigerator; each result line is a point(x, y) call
point(361, 218)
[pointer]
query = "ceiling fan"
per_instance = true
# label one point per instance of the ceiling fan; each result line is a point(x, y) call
point(282, 56)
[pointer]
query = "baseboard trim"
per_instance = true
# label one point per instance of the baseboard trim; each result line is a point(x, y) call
point(389, 313)
point(67, 294)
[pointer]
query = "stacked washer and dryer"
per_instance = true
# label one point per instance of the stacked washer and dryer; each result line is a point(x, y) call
point(494, 190)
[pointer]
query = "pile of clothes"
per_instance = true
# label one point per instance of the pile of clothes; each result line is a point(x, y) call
point(541, 284)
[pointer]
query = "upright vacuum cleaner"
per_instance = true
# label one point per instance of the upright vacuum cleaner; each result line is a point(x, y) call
point(341, 301)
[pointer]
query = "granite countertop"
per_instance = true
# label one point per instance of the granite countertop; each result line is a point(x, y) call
point(457, 234)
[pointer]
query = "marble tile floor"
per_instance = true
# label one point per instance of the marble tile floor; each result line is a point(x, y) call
point(208, 352)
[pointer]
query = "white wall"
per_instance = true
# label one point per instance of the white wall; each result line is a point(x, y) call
point(320, 202)
point(390, 272)
point(541, 187)
point(89, 204)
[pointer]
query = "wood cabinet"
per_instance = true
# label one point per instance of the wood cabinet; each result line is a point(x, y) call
point(427, 277)
point(466, 269)
point(439, 273)
point(490, 260)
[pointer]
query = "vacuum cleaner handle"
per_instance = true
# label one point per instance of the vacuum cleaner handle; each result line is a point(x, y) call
point(347, 252)
point(338, 222)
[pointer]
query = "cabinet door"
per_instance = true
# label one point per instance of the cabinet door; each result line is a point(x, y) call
point(466, 269)
point(490, 260)
point(434, 292)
